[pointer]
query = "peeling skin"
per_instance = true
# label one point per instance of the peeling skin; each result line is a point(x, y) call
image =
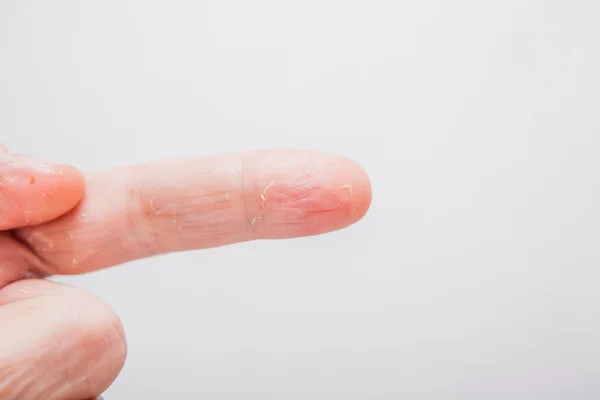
point(33, 192)
point(253, 223)
point(38, 236)
point(300, 175)
point(153, 207)
point(306, 195)
point(46, 169)
point(189, 204)
point(168, 204)
point(78, 260)
point(268, 187)
point(14, 161)
point(11, 180)
point(176, 221)
point(306, 204)
point(263, 196)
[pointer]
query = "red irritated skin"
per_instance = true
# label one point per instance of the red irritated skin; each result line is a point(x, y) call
point(33, 191)
point(175, 205)
point(304, 203)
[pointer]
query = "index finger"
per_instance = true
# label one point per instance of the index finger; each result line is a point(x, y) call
point(140, 211)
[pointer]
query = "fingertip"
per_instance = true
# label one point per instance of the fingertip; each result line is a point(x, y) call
point(35, 192)
point(360, 191)
point(308, 193)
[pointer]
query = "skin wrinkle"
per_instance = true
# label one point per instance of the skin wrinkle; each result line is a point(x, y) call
point(169, 206)
point(301, 203)
point(84, 351)
point(200, 212)
point(40, 237)
point(22, 261)
point(205, 212)
point(250, 220)
point(137, 222)
point(97, 237)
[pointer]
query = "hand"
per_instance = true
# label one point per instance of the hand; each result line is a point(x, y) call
point(58, 342)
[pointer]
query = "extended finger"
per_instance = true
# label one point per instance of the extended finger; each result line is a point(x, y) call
point(140, 211)
point(33, 191)
point(57, 343)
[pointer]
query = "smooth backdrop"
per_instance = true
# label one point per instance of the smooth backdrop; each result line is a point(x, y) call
point(476, 274)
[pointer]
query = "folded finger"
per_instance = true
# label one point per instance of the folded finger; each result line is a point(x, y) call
point(57, 343)
point(140, 211)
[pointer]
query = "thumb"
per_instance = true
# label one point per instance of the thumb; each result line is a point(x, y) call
point(34, 191)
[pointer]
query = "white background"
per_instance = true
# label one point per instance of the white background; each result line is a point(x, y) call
point(476, 274)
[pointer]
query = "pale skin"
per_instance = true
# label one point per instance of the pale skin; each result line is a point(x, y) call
point(58, 342)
